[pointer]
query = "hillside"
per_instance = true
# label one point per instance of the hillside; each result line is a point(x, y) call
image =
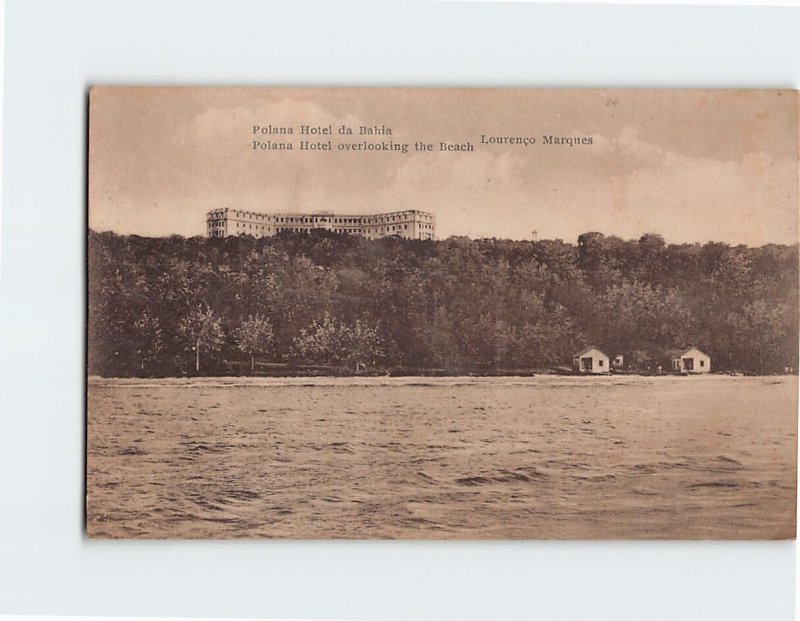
point(165, 306)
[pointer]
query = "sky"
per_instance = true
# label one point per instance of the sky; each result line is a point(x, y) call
point(691, 165)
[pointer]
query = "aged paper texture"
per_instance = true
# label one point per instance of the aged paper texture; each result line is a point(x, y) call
point(442, 313)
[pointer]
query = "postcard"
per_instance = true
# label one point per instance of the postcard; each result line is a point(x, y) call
point(424, 313)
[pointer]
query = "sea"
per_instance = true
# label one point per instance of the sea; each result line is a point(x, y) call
point(545, 457)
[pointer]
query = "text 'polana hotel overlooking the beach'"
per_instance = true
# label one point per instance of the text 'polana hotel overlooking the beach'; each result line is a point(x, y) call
point(408, 224)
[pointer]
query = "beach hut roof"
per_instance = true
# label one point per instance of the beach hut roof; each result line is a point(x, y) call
point(693, 347)
point(586, 349)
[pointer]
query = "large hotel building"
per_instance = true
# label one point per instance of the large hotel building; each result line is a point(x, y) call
point(409, 224)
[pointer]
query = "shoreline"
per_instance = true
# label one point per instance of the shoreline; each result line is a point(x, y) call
point(420, 381)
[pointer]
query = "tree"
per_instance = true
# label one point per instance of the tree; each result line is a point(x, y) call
point(359, 344)
point(318, 343)
point(327, 341)
point(459, 303)
point(202, 330)
point(636, 316)
point(254, 336)
point(148, 340)
point(651, 244)
point(763, 337)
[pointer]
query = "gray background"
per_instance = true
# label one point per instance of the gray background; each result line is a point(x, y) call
point(55, 49)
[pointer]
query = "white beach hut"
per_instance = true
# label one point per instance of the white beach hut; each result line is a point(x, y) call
point(591, 360)
point(692, 361)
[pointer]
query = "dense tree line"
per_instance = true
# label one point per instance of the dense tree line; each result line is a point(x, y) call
point(175, 305)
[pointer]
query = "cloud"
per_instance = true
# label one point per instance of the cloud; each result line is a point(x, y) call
point(163, 162)
point(472, 193)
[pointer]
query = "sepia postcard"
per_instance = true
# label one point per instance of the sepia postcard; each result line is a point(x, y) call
point(420, 313)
